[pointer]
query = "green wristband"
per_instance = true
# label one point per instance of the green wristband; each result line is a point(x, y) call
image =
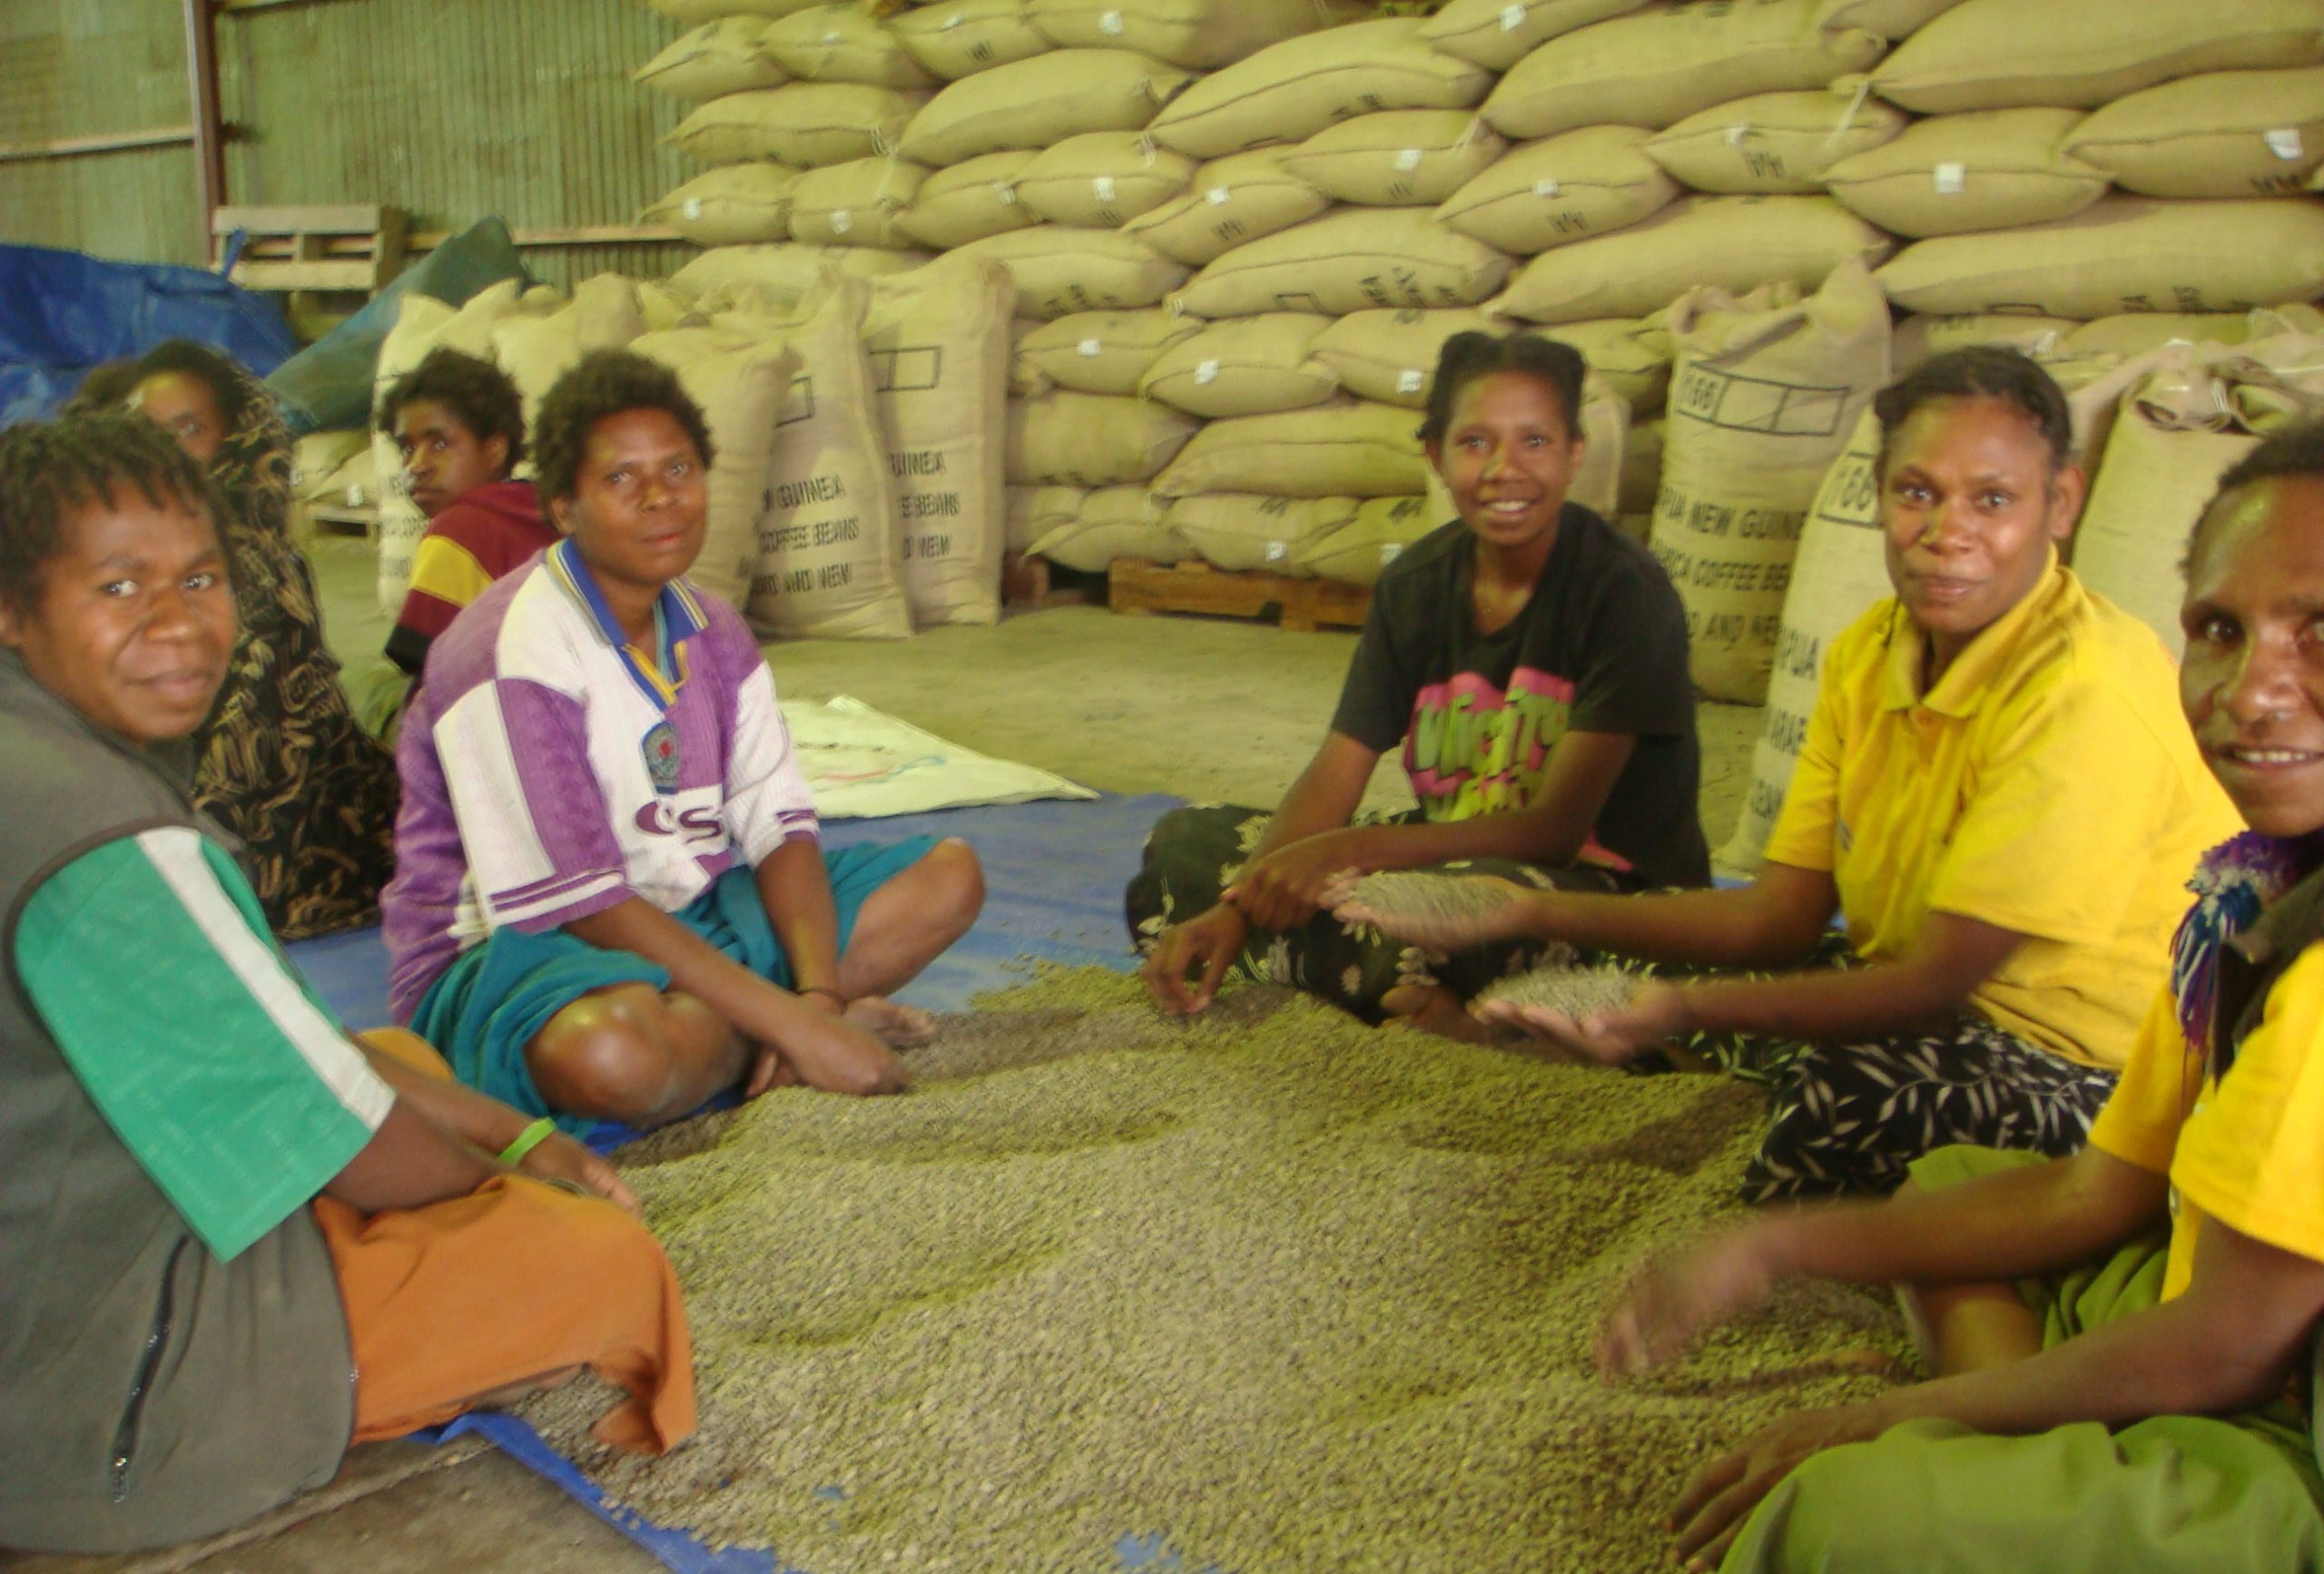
point(527, 1140)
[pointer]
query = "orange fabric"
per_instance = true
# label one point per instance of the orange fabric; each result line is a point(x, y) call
point(511, 1284)
point(408, 1048)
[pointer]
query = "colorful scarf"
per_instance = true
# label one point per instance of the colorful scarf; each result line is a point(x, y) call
point(2233, 883)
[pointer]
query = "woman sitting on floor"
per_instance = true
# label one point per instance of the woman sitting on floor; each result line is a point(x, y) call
point(1995, 789)
point(1533, 662)
point(611, 899)
point(232, 1239)
point(2120, 1339)
point(283, 762)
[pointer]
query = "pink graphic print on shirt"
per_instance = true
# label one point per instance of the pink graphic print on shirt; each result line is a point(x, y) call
point(1474, 749)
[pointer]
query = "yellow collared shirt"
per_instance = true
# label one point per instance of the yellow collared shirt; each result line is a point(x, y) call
point(2248, 1150)
point(2045, 784)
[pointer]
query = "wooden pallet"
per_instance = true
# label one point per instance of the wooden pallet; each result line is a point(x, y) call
point(1142, 589)
point(352, 248)
point(1032, 584)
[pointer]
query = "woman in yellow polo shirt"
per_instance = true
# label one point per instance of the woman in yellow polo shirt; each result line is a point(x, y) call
point(1996, 791)
point(2138, 1410)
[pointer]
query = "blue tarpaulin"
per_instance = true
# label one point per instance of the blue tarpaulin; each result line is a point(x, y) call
point(62, 312)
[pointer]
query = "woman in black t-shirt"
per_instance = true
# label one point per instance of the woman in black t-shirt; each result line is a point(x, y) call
point(1531, 661)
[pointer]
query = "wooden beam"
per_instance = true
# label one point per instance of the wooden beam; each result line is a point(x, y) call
point(569, 235)
point(209, 125)
point(103, 143)
point(350, 219)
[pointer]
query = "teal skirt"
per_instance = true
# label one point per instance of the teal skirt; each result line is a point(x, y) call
point(492, 1002)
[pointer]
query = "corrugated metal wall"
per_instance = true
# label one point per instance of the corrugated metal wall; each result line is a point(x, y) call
point(452, 109)
point(73, 68)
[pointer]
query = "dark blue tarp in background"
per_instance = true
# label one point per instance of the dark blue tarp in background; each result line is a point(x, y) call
point(62, 312)
point(328, 385)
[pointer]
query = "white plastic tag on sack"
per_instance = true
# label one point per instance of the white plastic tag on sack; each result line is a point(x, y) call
point(693, 209)
point(831, 38)
point(1951, 178)
point(1409, 159)
point(1512, 17)
point(1736, 133)
point(1103, 187)
point(1206, 371)
point(1220, 196)
point(2284, 142)
point(1545, 187)
point(1090, 348)
point(1410, 379)
point(1388, 551)
point(355, 495)
point(1278, 551)
point(1005, 192)
point(1110, 23)
point(841, 220)
point(949, 23)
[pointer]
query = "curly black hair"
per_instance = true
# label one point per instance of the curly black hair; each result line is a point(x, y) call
point(50, 470)
point(477, 391)
point(1981, 371)
point(212, 367)
point(2289, 453)
point(1467, 357)
point(104, 387)
point(607, 383)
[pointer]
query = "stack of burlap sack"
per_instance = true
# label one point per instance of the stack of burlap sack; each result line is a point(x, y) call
point(1238, 231)
point(857, 421)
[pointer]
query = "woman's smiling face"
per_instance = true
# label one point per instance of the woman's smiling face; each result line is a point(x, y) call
point(132, 623)
point(1508, 455)
point(2252, 679)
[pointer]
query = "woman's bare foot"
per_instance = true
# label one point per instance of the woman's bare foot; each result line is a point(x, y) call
point(900, 1026)
point(1439, 912)
point(1433, 1008)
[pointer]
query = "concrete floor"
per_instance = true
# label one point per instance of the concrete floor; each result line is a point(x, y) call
point(1207, 709)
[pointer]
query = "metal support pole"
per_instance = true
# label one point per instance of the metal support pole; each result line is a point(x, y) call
point(209, 129)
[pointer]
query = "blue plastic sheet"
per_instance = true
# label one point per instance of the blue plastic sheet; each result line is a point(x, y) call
point(62, 312)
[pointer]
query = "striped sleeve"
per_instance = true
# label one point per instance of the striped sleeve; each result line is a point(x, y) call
point(767, 801)
point(532, 820)
point(149, 962)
